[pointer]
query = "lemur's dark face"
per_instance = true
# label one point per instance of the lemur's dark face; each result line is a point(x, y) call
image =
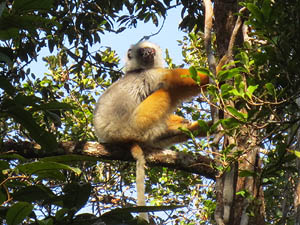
point(145, 56)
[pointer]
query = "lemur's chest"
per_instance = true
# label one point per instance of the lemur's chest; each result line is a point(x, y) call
point(140, 87)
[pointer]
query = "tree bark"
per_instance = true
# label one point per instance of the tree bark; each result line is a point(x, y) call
point(233, 209)
point(297, 189)
point(225, 18)
point(193, 163)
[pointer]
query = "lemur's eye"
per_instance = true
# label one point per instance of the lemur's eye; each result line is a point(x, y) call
point(129, 54)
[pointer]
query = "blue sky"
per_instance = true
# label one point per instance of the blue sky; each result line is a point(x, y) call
point(167, 38)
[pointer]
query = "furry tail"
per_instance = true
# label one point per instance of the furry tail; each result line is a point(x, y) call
point(138, 155)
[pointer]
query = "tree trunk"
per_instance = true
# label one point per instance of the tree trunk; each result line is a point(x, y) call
point(297, 189)
point(240, 199)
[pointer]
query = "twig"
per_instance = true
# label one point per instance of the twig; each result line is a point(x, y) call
point(151, 35)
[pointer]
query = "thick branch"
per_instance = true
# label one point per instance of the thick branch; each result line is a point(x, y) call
point(207, 35)
point(234, 34)
point(193, 163)
point(229, 54)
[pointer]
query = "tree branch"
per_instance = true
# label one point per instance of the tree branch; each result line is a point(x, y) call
point(207, 35)
point(193, 163)
point(236, 28)
point(229, 54)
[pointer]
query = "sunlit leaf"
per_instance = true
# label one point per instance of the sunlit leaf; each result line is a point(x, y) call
point(296, 153)
point(237, 114)
point(271, 89)
point(230, 123)
point(244, 58)
point(194, 74)
point(250, 90)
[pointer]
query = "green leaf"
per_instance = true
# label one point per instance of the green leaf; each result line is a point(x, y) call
point(60, 214)
point(13, 157)
point(31, 5)
point(2, 7)
point(186, 131)
point(194, 74)
point(143, 209)
point(229, 74)
point(6, 86)
point(6, 59)
point(244, 58)
point(271, 89)
point(69, 158)
point(241, 116)
point(40, 166)
point(224, 75)
point(230, 123)
point(242, 193)
point(203, 127)
point(52, 175)
point(6, 34)
point(4, 165)
point(22, 116)
point(255, 11)
point(118, 218)
point(203, 71)
point(235, 92)
point(53, 106)
point(296, 153)
point(3, 198)
point(247, 173)
point(18, 212)
point(48, 221)
point(214, 127)
point(266, 9)
point(26, 100)
point(225, 90)
point(22, 22)
point(76, 195)
point(7, 55)
point(250, 90)
point(33, 194)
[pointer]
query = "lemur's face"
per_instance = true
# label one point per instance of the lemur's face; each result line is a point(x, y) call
point(144, 55)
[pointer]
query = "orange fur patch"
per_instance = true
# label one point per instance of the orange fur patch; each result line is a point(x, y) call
point(153, 108)
point(176, 78)
point(159, 105)
point(174, 122)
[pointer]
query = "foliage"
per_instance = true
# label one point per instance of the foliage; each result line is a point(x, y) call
point(263, 86)
point(262, 83)
point(276, 62)
point(58, 106)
